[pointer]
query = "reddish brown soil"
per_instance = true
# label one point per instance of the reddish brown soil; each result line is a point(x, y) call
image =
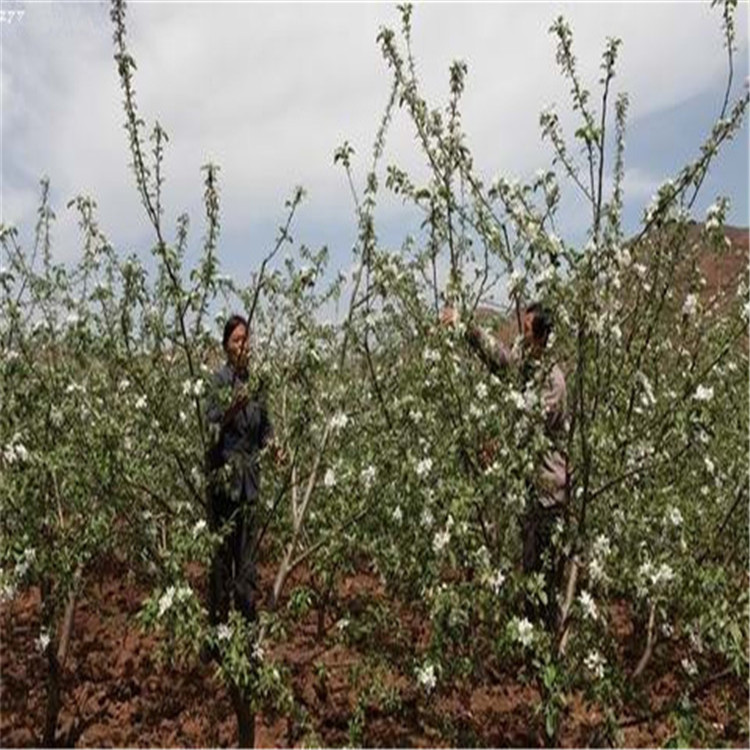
point(116, 694)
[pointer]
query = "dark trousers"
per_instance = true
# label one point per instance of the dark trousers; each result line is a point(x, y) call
point(539, 556)
point(233, 565)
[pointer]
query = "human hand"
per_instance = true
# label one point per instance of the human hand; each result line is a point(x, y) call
point(449, 317)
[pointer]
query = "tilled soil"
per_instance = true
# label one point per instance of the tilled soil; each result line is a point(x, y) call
point(117, 694)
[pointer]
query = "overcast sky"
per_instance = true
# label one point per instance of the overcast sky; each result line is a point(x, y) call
point(268, 91)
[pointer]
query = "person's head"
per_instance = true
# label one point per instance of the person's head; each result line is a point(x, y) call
point(235, 340)
point(537, 324)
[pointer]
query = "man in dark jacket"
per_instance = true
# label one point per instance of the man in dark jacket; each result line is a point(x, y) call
point(240, 429)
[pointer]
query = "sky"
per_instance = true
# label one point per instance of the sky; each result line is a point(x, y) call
point(269, 91)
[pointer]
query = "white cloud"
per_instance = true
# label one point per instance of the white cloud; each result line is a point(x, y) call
point(269, 91)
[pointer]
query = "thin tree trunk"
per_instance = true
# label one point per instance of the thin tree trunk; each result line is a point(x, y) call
point(53, 698)
point(650, 640)
point(245, 717)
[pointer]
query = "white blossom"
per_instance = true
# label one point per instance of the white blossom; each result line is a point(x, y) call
point(426, 677)
point(696, 641)
point(199, 526)
point(56, 416)
point(166, 600)
point(427, 518)
point(524, 632)
point(339, 421)
point(516, 398)
point(42, 642)
point(690, 307)
point(496, 581)
point(23, 565)
point(7, 592)
point(424, 467)
point(588, 605)
point(368, 476)
point(223, 632)
point(601, 546)
point(475, 412)
point(440, 540)
point(690, 667)
point(710, 466)
point(140, 404)
point(595, 662)
point(329, 480)
point(703, 393)
point(674, 516)
point(481, 391)
point(515, 280)
point(431, 355)
point(397, 514)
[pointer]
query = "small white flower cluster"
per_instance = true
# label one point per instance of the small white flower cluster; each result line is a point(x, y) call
point(427, 519)
point(703, 393)
point(647, 396)
point(223, 632)
point(329, 478)
point(715, 214)
point(15, 451)
point(23, 565)
point(171, 595)
point(43, 641)
point(198, 528)
point(141, 403)
point(424, 467)
point(516, 398)
point(524, 631)
point(416, 416)
point(496, 581)
point(397, 514)
point(7, 592)
point(588, 605)
point(441, 539)
point(481, 391)
point(426, 677)
point(56, 416)
point(690, 306)
point(367, 475)
point(595, 662)
point(339, 421)
point(600, 552)
point(432, 356)
point(674, 516)
point(515, 280)
point(193, 388)
point(690, 667)
point(649, 573)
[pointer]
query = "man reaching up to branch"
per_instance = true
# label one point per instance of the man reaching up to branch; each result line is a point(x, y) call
point(547, 491)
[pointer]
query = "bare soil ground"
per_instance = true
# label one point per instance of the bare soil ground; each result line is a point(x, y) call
point(116, 694)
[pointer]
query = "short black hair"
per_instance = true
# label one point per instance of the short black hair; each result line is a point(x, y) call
point(541, 325)
point(229, 326)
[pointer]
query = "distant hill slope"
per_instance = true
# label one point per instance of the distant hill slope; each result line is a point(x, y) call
point(723, 271)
